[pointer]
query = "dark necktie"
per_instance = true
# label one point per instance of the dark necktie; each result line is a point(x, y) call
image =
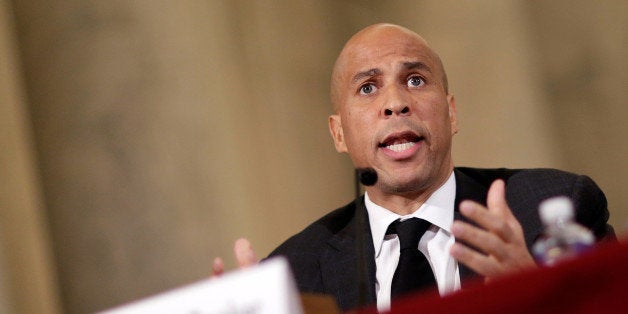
point(413, 271)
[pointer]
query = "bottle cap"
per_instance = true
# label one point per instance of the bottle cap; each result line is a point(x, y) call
point(556, 208)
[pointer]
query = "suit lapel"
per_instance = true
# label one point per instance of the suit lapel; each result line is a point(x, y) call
point(340, 266)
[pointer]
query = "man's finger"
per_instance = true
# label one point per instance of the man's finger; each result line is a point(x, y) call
point(486, 242)
point(478, 262)
point(218, 267)
point(496, 198)
point(487, 219)
point(244, 253)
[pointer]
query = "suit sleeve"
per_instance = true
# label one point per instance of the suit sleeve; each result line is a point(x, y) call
point(303, 260)
point(592, 208)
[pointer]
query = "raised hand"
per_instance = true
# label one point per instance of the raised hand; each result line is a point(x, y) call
point(499, 238)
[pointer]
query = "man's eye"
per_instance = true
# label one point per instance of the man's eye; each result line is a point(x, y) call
point(367, 89)
point(415, 81)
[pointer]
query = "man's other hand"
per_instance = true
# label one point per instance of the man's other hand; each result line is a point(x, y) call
point(244, 254)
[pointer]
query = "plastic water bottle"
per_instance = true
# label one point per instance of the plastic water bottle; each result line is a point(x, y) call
point(563, 238)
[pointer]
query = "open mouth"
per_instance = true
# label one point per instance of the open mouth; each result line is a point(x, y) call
point(400, 141)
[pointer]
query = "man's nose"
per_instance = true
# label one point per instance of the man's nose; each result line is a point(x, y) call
point(395, 110)
point(396, 104)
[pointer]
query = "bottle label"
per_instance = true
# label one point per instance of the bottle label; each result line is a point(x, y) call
point(553, 255)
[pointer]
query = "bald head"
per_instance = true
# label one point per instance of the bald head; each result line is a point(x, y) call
point(367, 43)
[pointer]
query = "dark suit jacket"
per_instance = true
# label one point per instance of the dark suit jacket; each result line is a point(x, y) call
point(324, 257)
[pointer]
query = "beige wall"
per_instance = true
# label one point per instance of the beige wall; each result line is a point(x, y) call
point(164, 130)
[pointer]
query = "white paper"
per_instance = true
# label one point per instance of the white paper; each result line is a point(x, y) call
point(266, 288)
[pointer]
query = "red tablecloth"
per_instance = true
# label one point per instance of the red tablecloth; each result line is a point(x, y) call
point(596, 282)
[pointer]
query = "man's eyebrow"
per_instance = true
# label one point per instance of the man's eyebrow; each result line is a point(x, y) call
point(416, 65)
point(368, 73)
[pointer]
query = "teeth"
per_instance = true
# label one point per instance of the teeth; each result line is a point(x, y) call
point(400, 147)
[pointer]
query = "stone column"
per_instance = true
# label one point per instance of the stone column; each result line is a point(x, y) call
point(27, 278)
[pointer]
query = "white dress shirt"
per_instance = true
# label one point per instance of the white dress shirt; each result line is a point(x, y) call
point(435, 243)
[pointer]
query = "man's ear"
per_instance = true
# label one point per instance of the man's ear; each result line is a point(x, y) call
point(453, 118)
point(335, 128)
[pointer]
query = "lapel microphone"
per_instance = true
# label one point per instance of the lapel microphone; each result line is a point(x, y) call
point(367, 177)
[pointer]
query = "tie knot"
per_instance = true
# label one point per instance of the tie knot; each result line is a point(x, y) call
point(409, 231)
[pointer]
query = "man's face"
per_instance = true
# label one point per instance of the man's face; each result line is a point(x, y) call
point(392, 110)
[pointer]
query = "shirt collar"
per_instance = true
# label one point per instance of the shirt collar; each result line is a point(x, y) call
point(438, 210)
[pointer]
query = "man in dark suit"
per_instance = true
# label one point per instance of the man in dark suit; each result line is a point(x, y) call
point(323, 256)
point(394, 114)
